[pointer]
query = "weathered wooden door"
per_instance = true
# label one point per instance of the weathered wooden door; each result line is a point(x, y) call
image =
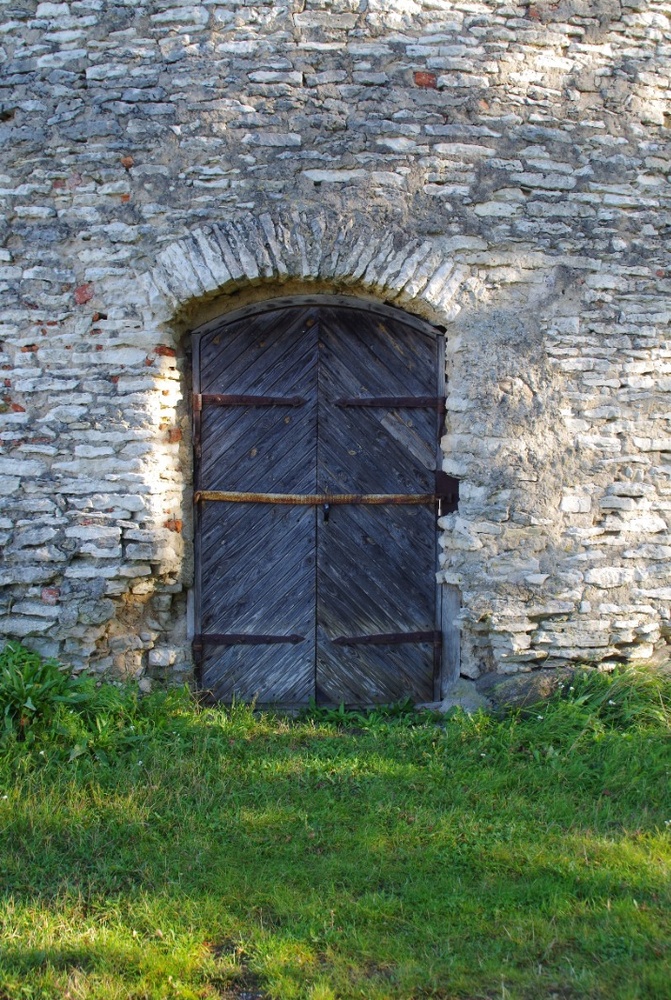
point(316, 430)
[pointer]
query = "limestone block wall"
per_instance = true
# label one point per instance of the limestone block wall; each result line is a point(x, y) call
point(499, 168)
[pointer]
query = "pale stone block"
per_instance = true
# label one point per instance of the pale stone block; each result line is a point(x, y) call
point(212, 259)
point(609, 576)
point(35, 608)
point(91, 571)
point(497, 209)
point(639, 653)
point(654, 552)
point(9, 485)
point(162, 657)
point(52, 11)
point(653, 444)
point(463, 150)
point(341, 176)
point(100, 552)
point(271, 139)
point(646, 523)
point(576, 504)
point(239, 260)
point(11, 467)
point(318, 18)
point(24, 537)
point(190, 14)
point(271, 76)
point(56, 60)
point(19, 625)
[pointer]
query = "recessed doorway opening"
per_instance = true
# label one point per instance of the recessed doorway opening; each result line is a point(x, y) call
point(318, 487)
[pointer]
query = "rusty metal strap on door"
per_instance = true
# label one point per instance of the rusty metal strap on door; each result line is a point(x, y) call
point(217, 399)
point(314, 499)
point(392, 402)
point(389, 639)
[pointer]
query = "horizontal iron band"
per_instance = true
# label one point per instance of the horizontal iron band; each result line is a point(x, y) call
point(391, 402)
point(389, 639)
point(243, 639)
point(315, 499)
point(217, 399)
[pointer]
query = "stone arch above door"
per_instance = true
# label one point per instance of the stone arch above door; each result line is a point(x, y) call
point(317, 246)
point(221, 266)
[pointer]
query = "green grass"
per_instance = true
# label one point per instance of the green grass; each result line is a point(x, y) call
point(150, 849)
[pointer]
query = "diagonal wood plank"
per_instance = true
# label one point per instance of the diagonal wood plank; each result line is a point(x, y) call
point(255, 350)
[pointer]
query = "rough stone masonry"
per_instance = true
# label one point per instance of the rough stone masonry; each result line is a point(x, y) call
point(499, 168)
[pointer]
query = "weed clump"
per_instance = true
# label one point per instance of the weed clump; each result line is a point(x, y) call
point(402, 712)
point(625, 697)
point(32, 689)
point(44, 704)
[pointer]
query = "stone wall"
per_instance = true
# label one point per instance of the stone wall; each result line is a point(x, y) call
point(500, 169)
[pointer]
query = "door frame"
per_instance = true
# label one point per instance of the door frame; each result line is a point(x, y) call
point(447, 602)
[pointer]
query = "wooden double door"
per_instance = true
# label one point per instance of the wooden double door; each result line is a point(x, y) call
point(316, 430)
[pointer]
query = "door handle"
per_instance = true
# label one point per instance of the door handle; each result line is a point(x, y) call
point(326, 507)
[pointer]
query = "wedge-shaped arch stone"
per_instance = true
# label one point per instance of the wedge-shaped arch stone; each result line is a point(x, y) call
point(386, 262)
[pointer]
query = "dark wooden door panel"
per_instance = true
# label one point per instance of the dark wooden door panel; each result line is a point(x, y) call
point(375, 566)
point(381, 449)
point(253, 351)
point(251, 448)
point(258, 580)
point(272, 450)
point(263, 674)
point(256, 562)
point(400, 360)
point(373, 675)
point(376, 451)
point(375, 574)
point(352, 546)
point(295, 604)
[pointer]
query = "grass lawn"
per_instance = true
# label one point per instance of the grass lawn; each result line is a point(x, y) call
point(154, 850)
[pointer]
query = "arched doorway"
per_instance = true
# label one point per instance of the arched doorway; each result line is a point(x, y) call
point(317, 492)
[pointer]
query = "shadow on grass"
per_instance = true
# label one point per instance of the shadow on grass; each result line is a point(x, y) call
point(93, 961)
point(321, 851)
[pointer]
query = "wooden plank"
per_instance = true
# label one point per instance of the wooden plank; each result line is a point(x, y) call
point(371, 452)
point(267, 589)
point(256, 565)
point(399, 361)
point(245, 450)
point(450, 608)
point(260, 350)
point(388, 639)
point(197, 534)
point(370, 675)
point(270, 449)
point(378, 450)
point(265, 675)
point(444, 670)
point(356, 596)
point(375, 567)
point(344, 303)
point(243, 639)
point(314, 499)
point(395, 402)
point(217, 399)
